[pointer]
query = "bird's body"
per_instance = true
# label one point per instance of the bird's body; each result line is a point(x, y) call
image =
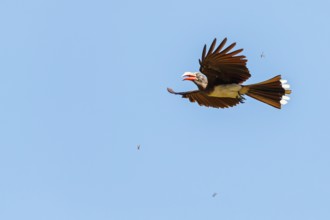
point(220, 80)
point(226, 90)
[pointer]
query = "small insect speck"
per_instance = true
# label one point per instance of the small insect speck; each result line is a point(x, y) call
point(262, 55)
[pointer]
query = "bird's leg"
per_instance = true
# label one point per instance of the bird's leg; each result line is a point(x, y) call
point(240, 97)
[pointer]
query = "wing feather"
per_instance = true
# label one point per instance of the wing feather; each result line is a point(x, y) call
point(204, 100)
point(212, 47)
point(220, 46)
point(233, 54)
point(204, 52)
point(222, 67)
point(228, 48)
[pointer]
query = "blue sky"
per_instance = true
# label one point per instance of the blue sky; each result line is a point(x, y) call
point(83, 83)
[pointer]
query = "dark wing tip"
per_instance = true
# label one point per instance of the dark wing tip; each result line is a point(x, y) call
point(170, 90)
point(212, 47)
point(204, 52)
point(223, 42)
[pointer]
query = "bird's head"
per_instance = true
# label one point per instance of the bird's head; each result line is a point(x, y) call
point(198, 78)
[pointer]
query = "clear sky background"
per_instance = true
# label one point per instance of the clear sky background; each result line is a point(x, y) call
point(82, 83)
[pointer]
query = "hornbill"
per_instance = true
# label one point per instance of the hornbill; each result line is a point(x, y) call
point(220, 81)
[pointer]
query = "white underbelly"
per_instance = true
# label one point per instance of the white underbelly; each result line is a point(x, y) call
point(227, 90)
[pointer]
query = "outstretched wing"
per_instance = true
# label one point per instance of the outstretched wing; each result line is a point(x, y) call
point(202, 99)
point(222, 67)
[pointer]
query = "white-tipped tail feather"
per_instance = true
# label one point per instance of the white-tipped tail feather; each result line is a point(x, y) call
point(286, 87)
point(284, 84)
point(283, 101)
point(273, 92)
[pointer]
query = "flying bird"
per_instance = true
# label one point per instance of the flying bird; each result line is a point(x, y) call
point(214, 194)
point(220, 81)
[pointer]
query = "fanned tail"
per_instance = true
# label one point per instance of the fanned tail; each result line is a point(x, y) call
point(272, 92)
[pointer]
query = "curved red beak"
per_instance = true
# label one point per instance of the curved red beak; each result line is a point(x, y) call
point(189, 76)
